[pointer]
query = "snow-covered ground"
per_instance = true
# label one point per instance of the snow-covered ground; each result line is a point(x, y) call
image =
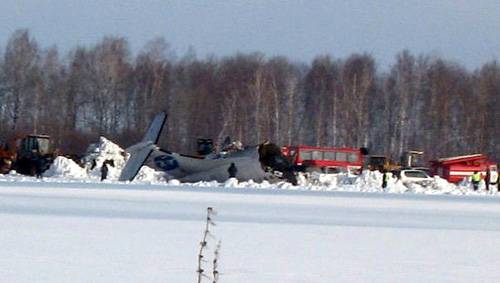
point(69, 227)
point(68, 231)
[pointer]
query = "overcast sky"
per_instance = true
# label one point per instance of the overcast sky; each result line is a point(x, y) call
point(465, 31)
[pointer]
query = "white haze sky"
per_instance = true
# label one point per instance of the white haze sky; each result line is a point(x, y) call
point(465, 31)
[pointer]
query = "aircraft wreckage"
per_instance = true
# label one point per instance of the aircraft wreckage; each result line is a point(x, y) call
point(261, 162)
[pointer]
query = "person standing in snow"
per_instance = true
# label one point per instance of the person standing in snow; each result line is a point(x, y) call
point(385, 178)
point(491, 178)
point(104, 171)
point(496, 179)
point(93, 164)
point(39, 166)
point(232, 170)
point(476, 178)
point(487, 179)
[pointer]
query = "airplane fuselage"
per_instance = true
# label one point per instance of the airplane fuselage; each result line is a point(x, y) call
point(192, 168)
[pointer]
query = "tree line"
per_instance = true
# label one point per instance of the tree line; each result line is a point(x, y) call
point(420, 103)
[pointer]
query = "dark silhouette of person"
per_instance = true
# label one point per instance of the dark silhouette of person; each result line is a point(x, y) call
point(104, 171)
point(385, 178)
point(487, 179)
point(93, 164)
point(232, 170)
point(39, 167)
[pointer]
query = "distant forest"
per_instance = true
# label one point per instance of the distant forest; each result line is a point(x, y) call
point(420, 102)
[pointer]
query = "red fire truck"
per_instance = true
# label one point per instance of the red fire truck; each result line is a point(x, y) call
point(325, 159)
point(455, 169)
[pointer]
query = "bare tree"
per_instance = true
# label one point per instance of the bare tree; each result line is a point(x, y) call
point(20, 69)
point(358, 78)
point(422, 102)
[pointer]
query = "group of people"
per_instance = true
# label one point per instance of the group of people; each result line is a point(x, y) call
point(490, 179)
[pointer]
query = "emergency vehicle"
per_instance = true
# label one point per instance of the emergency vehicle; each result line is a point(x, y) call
point(325, 159)
point(455, 169)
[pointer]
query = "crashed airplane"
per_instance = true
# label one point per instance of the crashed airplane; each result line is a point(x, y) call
point(258, 163)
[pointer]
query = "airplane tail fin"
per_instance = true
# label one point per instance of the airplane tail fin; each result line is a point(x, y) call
point(154, 131)
point(140, 152)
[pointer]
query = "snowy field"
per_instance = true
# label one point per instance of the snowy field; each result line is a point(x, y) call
point(69, 227)
point(57, 230)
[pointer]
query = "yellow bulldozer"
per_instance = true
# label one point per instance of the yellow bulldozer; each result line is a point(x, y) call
point(409, 159)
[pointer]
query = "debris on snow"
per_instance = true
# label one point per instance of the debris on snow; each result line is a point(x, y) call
point(368, 181)
point(149, 175)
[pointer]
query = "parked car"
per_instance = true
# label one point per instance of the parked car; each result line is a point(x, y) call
point(415, 176)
